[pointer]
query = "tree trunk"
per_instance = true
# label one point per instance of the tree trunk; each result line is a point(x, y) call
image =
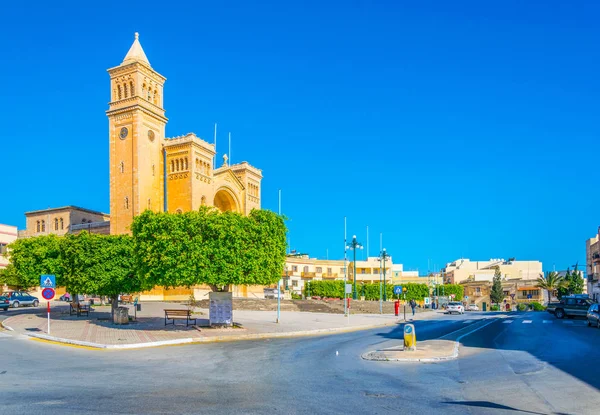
point(114, 303)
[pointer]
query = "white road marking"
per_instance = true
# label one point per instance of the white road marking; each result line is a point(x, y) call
point(507, 321)
point(567, 322)
point(548, 322)
point(4, 335)
point(526, 321)
point(467, 321)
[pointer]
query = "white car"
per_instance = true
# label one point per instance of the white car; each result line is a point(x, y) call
point(455, 307)
point(472, 307)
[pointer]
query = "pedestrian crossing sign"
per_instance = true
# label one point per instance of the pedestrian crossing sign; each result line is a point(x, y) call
point(48, 281)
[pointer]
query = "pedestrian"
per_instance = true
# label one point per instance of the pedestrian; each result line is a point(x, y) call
point(413, 304)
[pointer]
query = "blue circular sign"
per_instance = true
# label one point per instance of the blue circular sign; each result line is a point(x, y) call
point(408, 329)
point(48, 293)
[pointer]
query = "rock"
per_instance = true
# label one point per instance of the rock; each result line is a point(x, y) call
point(121, 315)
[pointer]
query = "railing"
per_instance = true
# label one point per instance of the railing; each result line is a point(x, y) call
point(89, 225)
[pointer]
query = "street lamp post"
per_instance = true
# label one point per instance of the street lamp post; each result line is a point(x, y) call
point(384, 256)
point(354, 245)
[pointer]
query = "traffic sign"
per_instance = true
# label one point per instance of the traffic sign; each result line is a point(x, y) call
point(466, 297)
point(452, 296)
point(397, 289)
point(48, 293)
point(529, 296)
point(48, 281)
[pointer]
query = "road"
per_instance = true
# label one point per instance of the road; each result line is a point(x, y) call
point(524, 363)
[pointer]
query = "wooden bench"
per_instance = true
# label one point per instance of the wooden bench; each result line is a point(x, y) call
point(79, 309)
point(179, 315)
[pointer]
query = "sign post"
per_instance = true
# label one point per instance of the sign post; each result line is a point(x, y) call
point(48, 283)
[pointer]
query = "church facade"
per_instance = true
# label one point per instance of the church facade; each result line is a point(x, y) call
point(149, 170)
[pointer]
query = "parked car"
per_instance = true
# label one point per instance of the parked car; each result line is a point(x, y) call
point(472, 307)
point(593, 315)
point(455, 307)
point(4, 303)
point(19, 298)
point(65, 297)
point(570, 306)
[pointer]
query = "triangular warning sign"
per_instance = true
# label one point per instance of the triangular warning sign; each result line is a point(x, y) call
point(48, 282)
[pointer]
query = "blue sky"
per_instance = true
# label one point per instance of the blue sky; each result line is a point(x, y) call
point(456, 129)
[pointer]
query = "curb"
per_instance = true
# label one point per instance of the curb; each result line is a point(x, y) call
point(6, 327)
point(453, 356)
point(215, 339)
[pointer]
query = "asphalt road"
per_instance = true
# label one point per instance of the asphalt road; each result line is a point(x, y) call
point(525, 366)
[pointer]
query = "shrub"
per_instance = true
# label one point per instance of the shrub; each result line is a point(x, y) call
point(495, 307)
point(296, 296)
point(537, 306)
point(522, 307)
point(335, 289)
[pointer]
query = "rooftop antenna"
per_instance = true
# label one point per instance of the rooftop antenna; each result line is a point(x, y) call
point(215, 158)
point(367, 241)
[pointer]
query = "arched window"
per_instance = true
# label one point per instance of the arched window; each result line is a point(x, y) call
point(179, 211)
point(37, 228)
point(203, 201)
point(177, 164)
point(186, 163)
point(149, 95)
point(131, 89)
point(62, 224)
point(305, 269)
point(143, 90)
point(55, 224)
point(155, 97)
point(149, 205)
point(119, 91)
point(43, 226)
point(197, 163)
point(125, 90)
point(172, 166)
point(126, 202)
point(122, 167)
point(153, 169)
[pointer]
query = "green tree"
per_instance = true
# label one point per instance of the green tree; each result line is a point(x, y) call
point(99, 264)
point(11, 277)
point(550, 283)
point(497, 293)
point(209, 247)
point(32, 257)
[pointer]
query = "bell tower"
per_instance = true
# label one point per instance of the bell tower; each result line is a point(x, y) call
point(137, 121)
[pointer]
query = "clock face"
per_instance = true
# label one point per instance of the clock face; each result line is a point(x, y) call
point(151, 135)
point(123, 133)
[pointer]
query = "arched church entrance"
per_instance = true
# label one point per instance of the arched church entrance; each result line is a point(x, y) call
point(225, 202)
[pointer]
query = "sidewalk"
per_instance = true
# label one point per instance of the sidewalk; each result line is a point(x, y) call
point(149, 329)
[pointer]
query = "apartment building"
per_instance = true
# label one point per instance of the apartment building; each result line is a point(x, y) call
point(466, 270)
point(8, 234)
point(592, 255)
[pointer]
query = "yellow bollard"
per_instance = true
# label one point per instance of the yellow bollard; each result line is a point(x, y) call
point(410, 337)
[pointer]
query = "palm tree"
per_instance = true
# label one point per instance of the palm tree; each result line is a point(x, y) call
point(551, 283)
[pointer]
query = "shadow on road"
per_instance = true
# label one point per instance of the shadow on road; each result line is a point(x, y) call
point(491, 405)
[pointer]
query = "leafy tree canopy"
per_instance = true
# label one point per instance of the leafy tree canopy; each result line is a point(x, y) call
point(209, 247)
point(98, 264)
point(32, 257)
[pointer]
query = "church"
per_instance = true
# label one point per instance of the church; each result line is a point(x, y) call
point(149, 170)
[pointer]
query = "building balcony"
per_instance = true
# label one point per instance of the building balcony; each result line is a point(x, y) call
point(594, 276)
point(308, 274)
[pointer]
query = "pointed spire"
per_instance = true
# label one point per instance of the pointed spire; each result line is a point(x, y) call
point(136, 53)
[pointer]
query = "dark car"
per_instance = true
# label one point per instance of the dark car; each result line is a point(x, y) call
point(593, 316)
point(570, 306)
point(4, 303)
point(19, 298)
